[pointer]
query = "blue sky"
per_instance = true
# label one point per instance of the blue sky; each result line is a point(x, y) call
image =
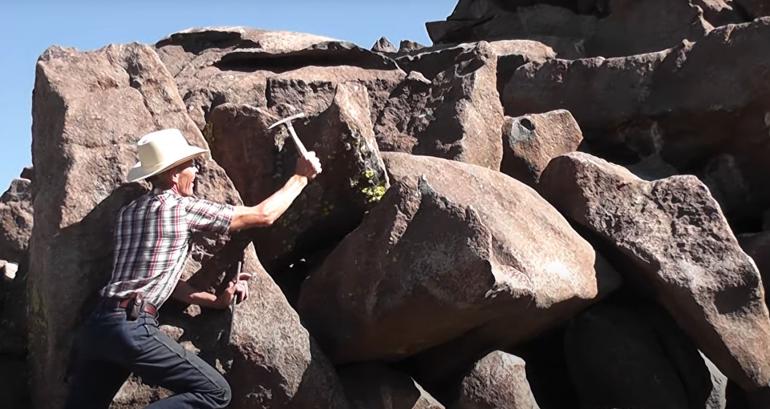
point(28, 27)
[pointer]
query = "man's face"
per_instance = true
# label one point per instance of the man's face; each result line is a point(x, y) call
point(185, 178)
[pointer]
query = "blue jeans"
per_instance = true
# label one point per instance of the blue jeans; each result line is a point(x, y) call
point(111, 347)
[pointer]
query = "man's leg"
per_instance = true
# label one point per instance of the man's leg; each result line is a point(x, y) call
point(166, 363)
point(94, 384)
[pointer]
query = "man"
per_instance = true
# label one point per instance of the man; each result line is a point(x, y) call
point(152, 236)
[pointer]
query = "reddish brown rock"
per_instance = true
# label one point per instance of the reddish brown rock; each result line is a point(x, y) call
point(260, 160)
point(531, 141)
point(16, 220)
point(757, 245)
point(674, 242)
point(451, 248)
point(375, 386)
point(499, 380)
point(89, 110)
point(457, 117)
point(754, 8)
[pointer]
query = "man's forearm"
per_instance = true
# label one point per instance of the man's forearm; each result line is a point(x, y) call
point(270, 209)
point(188, 294)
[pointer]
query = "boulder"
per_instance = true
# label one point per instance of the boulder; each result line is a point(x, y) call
point(452, 249)
point(457, 117)
point(89, 108)
point(674, 242)
point(531, 141)
point(259, 161)
point(376, 386)
point(499, 380)
point(628, 356)
point(16, 220)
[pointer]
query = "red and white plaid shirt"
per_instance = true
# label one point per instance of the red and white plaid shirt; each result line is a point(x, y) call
point(152, 239)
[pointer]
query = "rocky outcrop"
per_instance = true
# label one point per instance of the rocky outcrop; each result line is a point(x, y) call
point(673, 241)
point(656, 105)
point(213, 66)
point(452, 249)
point(89, 110)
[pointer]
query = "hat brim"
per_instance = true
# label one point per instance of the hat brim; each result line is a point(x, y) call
point(139, 172)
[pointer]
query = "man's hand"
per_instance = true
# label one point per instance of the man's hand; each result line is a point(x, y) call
point(237, 288)
point(309, 166)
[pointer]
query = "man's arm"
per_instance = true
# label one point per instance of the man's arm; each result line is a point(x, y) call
point(188, 294)
point(270, 209)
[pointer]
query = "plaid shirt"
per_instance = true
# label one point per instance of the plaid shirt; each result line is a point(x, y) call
point(152, 240)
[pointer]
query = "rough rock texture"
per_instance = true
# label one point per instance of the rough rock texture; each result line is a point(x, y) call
point(634, 356)
point(458, 116)
point(213, 66)
point(260, 160)
point(757, 246)
point(675, 241)
point(375, 386)
point(383, 45)
point(89, 109)
point(451, 248)
point(16, 220)
point(531, 141)
point(499, 380)
point(657, 105)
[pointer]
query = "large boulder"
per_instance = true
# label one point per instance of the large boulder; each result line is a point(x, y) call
point(451, 249)
point(499, 380)
point(531, 141)
point(674, 242)
point(457, 115)
point(634, 356)
point(260, 160)
point(89, 109)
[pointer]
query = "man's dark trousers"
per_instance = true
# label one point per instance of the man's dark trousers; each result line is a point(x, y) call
point(111, 347)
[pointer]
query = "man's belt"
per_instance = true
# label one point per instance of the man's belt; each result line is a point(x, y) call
point(129, 303)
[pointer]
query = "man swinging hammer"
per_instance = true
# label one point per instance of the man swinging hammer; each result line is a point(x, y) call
point(152, 236)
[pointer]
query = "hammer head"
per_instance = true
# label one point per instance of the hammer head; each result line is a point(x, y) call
point(287, 119)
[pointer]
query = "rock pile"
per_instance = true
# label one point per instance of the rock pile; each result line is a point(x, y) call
point(544, 209)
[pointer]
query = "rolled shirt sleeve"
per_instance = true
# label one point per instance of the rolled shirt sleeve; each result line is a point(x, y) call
point(204, 215)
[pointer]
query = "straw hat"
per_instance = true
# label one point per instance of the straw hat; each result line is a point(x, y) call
point(159, 151)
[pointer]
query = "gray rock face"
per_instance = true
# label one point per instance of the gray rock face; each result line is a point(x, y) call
point(383, 45)
point(375, 386)
point(531, 141)
point(499, 380)
point(260, 160)
point(676, 243)
point(623, 357)
point(451, 248)
point(458, 116)
point(89, 109)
